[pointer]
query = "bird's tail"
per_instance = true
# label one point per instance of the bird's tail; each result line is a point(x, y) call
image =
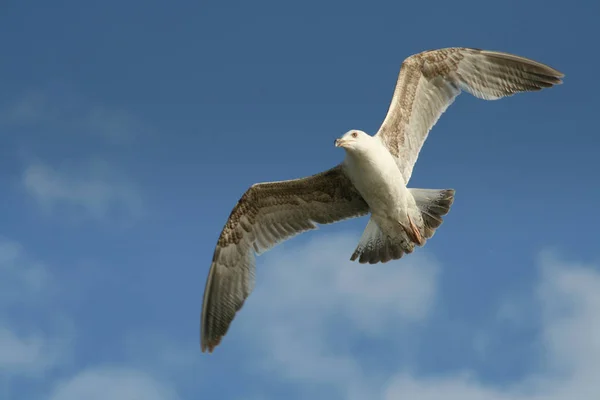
point(434, 204)
point(374, 246)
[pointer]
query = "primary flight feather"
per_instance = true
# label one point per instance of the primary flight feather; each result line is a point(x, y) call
point(371, 179)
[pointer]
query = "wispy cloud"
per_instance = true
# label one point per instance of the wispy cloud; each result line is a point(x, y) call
point(94, 190)
point(30, 353)
point(327, 328)
point(86, 187)
point(23, 282)
point(115, 383)
point(311, 304)
point(25, 353)
point(19, 275)
point(62, 110)
point(568, 296)
point(318, 322)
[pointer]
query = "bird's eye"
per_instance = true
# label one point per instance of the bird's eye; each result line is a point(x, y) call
point(354, 134)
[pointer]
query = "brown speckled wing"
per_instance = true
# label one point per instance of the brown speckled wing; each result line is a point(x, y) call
point(267, 214)
point(429, 82)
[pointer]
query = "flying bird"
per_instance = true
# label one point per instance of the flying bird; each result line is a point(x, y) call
point(372, 178)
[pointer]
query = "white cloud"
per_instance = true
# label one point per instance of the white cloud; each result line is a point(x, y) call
point(176, 360)
point(32, 357)
point(115, 125)
point(32, 354)
point(91, 189)
point(318, 276)
point(60, 109)
point(314, 319)
point(19, 275)
point(95, 190)
point(321, 324)
point(569, 299)
point(113, 383)
point(25, 353)
point(310, 302)
point(22, 281)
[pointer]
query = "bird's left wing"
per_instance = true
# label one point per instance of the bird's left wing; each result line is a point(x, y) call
point(429, 82)
point(267, 214)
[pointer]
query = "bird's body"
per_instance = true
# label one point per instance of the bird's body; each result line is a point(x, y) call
point(373, 178)
point(374, 173)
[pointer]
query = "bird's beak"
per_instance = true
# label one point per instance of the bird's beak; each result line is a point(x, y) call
point(339, 142)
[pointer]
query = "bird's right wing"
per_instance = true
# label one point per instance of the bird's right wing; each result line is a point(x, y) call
point(267, 214)
point(429, 82)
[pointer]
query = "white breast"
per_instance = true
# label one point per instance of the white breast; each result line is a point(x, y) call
point(376, 176)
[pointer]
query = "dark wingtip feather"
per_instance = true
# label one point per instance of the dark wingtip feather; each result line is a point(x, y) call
point(545, 75)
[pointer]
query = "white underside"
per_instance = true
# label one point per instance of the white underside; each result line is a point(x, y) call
point(378, 179)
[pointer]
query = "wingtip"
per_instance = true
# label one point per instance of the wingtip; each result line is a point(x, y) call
point(209, 347)
point(558, 74)
point(557, 77)
point(544, 69)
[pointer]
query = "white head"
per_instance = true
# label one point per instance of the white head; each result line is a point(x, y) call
point(354, 141)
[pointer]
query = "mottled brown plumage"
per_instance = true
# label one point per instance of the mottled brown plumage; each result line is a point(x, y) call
point(265, 215)
point(269, 213)
point(429, 82)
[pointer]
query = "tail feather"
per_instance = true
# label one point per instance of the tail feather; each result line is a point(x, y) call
point(374, 246)
point(434, 204)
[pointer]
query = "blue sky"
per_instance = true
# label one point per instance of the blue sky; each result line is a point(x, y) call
point(128, 130)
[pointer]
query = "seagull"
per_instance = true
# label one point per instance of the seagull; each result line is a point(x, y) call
point(372, 179)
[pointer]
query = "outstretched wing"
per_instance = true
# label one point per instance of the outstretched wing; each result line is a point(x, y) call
point(430, 81)
point(267, 214)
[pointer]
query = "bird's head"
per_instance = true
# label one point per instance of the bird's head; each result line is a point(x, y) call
point(353, 141)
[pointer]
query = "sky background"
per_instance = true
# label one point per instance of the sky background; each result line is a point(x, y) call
point(128, 131)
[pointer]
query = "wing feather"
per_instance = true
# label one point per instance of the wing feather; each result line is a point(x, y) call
point(267, 214)
point(429, 82)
